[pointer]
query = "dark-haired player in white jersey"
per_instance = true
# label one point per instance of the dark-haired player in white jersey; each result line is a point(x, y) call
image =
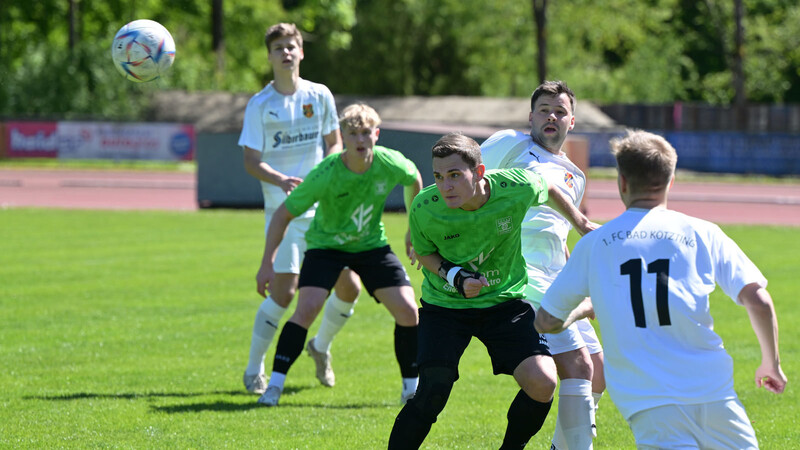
point(466, 234)
point(351, 188)
point(577, 351)
point(649, 273)
point(288, 127)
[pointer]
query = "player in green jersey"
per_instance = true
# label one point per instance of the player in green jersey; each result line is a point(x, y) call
point(466, 235)
point(351, 189)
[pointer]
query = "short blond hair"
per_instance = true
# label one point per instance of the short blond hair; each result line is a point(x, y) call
point(359, 115)
point(646, 160)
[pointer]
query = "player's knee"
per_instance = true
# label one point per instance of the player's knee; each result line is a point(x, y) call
point(537, 377)
point(435, 384)
point(574, 364)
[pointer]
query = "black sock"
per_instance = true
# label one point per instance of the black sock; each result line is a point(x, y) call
point(525, 418)
point(405, 349)
point(290, 345)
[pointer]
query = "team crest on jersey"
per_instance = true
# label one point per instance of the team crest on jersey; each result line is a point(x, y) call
point(308, 110)
point(504, 225)
point(568, 179)
point(380, 187)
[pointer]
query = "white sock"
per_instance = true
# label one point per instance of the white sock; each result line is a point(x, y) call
point(575, 415)
point(277, 379)
point(337, 311)
point(596, 396)
point(410, 385)
point(266, 324)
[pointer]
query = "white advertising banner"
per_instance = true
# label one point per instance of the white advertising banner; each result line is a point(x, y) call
point(108, 140)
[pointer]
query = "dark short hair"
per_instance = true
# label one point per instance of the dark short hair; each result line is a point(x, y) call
point(457, 143)
point(553, 88)
point(280, 30)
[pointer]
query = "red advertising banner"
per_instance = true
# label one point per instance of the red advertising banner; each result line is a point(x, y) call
point(99, 140)
point(31, 139)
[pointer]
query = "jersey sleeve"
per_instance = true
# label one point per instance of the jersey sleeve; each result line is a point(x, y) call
point(539, 185)
point(571, 285)
point(733, 269)
point(305, 194)
point(406, 168)
point(252, 129)
point(496, 149)
point(422, 245)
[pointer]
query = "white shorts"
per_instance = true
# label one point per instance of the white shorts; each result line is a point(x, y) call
point(722, 424)
point(579, 334)
point(292, 249)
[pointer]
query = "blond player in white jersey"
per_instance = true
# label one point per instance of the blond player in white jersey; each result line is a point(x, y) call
point(577, 352)
point(649, 273)
point(288, 128)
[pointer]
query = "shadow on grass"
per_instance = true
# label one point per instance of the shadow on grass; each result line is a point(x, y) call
point(206, 406)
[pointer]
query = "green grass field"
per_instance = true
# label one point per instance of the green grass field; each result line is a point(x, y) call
point(131, 329)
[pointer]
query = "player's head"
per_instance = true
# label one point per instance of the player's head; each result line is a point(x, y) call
point(552, 114)
point(457, 169)
point(359, 124)
point(284, 46)
point(283, 30)
point(645, 160)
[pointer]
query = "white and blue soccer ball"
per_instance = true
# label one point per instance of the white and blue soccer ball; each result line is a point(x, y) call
point(143, 50)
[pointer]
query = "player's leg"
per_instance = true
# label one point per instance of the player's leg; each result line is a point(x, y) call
point(386, 279)
point(443, 337)
point(400, 302)
point(338, 309)
point(595, 349)
point(290, 343)
point(320, 270)
point(575, 403)
point(281, 292)
point(517, 349)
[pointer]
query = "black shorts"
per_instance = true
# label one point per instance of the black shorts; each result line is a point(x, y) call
point(506, 330)
point(378, 268)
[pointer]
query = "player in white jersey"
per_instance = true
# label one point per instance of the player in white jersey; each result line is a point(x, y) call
point(577, 352)
point(288, 127)
point(649, 273)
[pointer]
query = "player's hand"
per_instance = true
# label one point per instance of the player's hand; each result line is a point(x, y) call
point(289, 183)
point(412, 255)
point(586, 309)
point(771, 378)
point(587, 227)
point(473, 286)
point(409, 248)
point(264, 276)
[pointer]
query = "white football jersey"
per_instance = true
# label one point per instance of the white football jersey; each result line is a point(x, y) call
point(649, 274)
point(544, 230)
point(289, 132)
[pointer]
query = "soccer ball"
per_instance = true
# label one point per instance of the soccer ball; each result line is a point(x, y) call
point(143, 50)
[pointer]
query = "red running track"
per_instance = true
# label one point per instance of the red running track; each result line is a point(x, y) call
point(725, 203)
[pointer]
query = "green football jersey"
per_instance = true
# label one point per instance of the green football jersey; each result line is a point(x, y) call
point(486, 240)
point(348, 216)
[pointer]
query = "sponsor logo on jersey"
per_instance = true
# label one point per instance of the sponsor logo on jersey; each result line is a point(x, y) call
point(343, 195)
point(451, 236)
point(504, 225)
point(308, 110)
point(274, 114)
point(568, 179)
point(282, 137)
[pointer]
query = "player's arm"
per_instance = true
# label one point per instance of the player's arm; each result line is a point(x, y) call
point(548, 323)
point(466, 282)
point(333, 142)
point(761, 310)
point(561, 203)
point(409, 192)
point(264, 172)
point(275, 232)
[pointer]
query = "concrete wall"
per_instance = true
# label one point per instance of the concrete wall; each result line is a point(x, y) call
point(222, 181)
